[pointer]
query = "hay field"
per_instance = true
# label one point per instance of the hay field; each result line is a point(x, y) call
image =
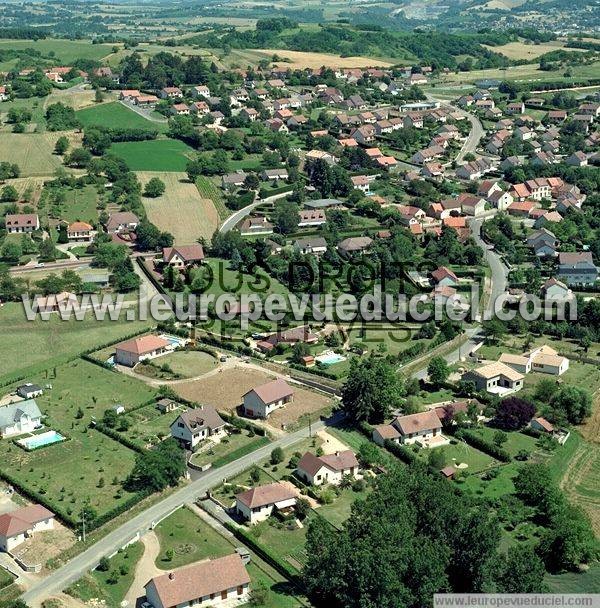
point(520, 50)
point(31, 151)
point(180, 210)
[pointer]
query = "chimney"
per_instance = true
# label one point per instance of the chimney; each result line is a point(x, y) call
point(337, 453)
point(171, 575)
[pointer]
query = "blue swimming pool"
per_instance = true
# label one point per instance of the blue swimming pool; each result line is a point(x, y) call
point(330, 358)
point(41, 440)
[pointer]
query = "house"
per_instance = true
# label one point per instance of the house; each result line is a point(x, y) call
point(330, 468)
point(496, 378)
point(445, 277)
point(3, 93)
point(274, 174)
point(389, 163)
point(548, 217)
point(29, 391)
point(500, 200)
point(122, 221)
point(258, 504)
point(555, 116)
point(146, 100)
point(354, 244)
point(543, 242)
point(193, 426)
point(311, 245)
point(200, 91)
point(233, 180)
point(21, 222)
point(315, 155)
point(426, 155)
point(487, 187)
point(256, 225)
point(20, 417)
point(264, 399)
point(129, 95)
point(471, 204)
point(577, 268)
point(171, 93)
point(515, 107)
point(312, 217)
point(166, 406)
point(520, 363)
point(577, 159)
point(361, 182)
point(131, 352)
point(545, 360)
point(199, 107)
point(385, 432)
point(423, 428)
point(553, 289)
point(521, 208)
point(80, 231)
point(213, 582)
point(364, 134)
point(19, 525)
point(183, 256)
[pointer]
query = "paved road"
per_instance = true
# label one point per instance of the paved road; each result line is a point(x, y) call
point(233, 220)
point(50, 266)
point(86, 561)
point(499, 282)
point(144, 113)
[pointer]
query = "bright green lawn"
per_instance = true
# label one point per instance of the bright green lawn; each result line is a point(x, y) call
point(189, 363)
point(31, 346)
point(117, 116)
point(65, 51)
point(97, 585)
point(574, 582)
point(6, 578)
point(153, 155)
point(228, 449)
point(80, 205)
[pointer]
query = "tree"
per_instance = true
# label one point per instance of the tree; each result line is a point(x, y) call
point(277, 455)
point(9, 194)
point(61, 145)
point(500, 438)
point(438, 371)
point(302, 508)
point(11, 252)
point(103, 564)
point(521, 571)
point(154, 188)
point(371, 391)
point(513, 413)
point(436, 460)
point(259, 594)
point(158, 468)
point(79, 158)
point(286, 217)
point(571, 403)
point(494, 329)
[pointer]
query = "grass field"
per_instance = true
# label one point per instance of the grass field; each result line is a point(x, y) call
point(64, 51)
point(231, 448)
point(181, 210)
point(153, 155)
point(51, 342)
point(80, 205)
point(96, 585)
point(31, 151)
point(116, 115)
point(6, 578)
point(575, 582)
point(209, 191)
point(70, 473)
point(521, 50)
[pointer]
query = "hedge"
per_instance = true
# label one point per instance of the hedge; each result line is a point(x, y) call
point(286, 570)
point(481, 444)
point(400, 451)
point(118, 437)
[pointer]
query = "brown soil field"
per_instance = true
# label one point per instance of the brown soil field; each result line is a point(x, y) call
point(300, 59)
point(225, 390)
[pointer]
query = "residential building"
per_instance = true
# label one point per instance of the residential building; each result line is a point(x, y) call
point(183, 256)
point(445, 277)
point(329, 468)
point(19, 525)
point(258, 504)
point(21, 222)
point(577, 268)
point(312, 217)
point(256, 225)
point(553, 289)
point(355, 244)
point(131, 352)
point(496, 378)
point(19, 418)
point(80, 231)
point(311, 245)
point(122, 221)
point(233, 180)
point(29, 391)
point(193, 426)
point(423, 428)
point(266, 398)
point(214, 582)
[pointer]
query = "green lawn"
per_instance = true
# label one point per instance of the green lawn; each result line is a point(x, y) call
point(153, 155)
point(190, 363)
point(86, 465)
point(515, 441)
point(148, 425)
point(231, 448)
point(339, 510)
point(6, 578)
point(80, 205)
point(52, 342)
point(575, 582)
point(63, 51)
point(117, 116)
point(285, 541)
point(102, 586)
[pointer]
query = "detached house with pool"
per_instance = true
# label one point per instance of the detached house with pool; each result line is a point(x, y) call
point(19, 418)
point(131, 352)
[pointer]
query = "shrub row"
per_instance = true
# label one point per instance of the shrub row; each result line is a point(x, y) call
point(481, 444)
point(242, 423)
point(118, 437)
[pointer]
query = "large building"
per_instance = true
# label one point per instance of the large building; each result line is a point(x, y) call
point(209, 583)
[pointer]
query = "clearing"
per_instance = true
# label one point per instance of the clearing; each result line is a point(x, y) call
point(181, 210)
point(153, 155)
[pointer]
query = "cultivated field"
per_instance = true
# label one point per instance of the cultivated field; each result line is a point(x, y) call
point(520, 50)
point(226, 389)
point(153, 155)
point(31, 151)
point(180, 210)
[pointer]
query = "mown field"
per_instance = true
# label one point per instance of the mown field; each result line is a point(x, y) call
point(521, 50)
point(181, 210)
point(33, 345)
point(59, 50)
point(31, 151)
point(153, 155)
point(116, 115)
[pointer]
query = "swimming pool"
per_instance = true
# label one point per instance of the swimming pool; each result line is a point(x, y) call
point(330, 358)
point(41, 440)
point(174, 340)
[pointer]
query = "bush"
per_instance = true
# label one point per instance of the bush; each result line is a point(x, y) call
point(481, 444)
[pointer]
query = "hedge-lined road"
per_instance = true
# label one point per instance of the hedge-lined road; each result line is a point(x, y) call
point(112, 542)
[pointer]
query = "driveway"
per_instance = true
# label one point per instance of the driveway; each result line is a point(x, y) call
point(145, 569)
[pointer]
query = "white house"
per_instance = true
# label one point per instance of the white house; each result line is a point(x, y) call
point(20, 417)
point(311, 245)
point(497, 378)
point(19, 525)
point(330, 468)
point(21, 222)
point(546, 360)
point(193, 426)
point(423, 428)
point(215, 582)
point(182, 256)
point(131, 352)
point(257, 504)
point(262, 400)
point(29, 391)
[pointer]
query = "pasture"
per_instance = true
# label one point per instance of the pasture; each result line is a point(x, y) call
point(181, 210)
point(153, 155)
point(63, 51)
point(117, 116)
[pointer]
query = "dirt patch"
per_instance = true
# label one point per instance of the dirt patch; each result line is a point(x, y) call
point(45, 545)
point(330, 443)
point(225, 390)
point(300, 60)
